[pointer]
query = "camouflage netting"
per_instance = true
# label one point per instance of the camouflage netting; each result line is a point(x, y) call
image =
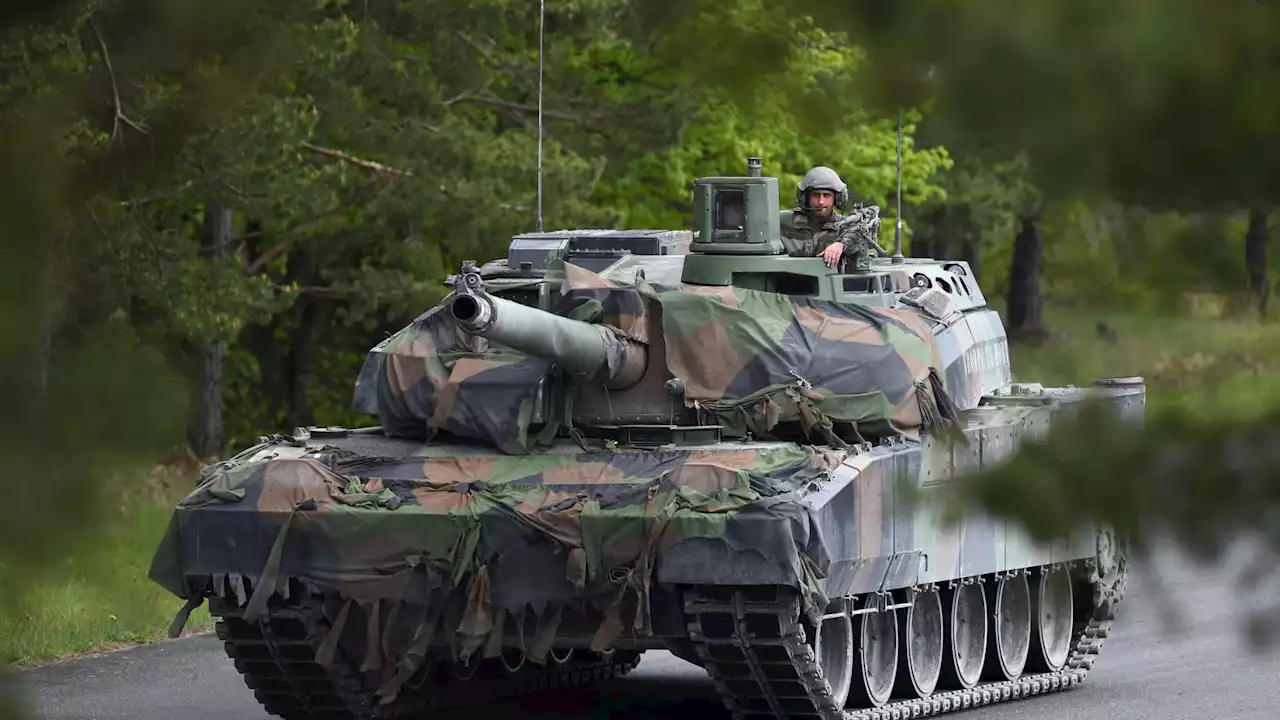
point(448, 548)
point(750, 359)
point(422, 380)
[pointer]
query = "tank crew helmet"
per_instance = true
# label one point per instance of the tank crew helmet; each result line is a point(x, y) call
point(822, 178)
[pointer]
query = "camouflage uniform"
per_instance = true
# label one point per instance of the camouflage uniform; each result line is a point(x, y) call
point(805, 237)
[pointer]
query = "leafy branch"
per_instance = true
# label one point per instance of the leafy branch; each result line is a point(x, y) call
point(345, 157)
point(524, 109)
point(290, 234)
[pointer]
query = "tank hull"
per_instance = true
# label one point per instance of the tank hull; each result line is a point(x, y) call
point(849, 532)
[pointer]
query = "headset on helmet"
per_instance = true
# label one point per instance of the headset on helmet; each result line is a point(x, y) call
point(822, 178)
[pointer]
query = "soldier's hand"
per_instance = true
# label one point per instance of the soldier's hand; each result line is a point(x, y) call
point(831, 254)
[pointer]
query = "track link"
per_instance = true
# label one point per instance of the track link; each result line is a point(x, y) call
point(753, 646)
point(276, 655)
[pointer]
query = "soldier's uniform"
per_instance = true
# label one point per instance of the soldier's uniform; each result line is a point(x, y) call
point(805, 237)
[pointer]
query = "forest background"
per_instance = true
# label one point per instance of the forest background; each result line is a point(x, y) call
point(213, 210)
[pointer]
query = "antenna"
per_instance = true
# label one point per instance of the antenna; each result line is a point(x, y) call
point(542, 10)
point(897, 228)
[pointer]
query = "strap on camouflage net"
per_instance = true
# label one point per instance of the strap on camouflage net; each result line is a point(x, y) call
point(938, 412)
point(270, 576)
point(759, 412)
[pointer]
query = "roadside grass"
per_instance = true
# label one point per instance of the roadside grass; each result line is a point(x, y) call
point(1218, 367)
point(100, 598)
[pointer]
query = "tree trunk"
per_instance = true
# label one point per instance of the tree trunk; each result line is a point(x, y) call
point(46, 309)
point(927, 244)
point(205, 432)
point(1255, 260)
point(315, 316)
point(973, 246)
point(284, 364)
point(1026, 317)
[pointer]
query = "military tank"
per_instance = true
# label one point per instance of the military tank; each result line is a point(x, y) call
point(616, 442)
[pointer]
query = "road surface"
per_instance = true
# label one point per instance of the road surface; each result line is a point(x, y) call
point(1199, 669)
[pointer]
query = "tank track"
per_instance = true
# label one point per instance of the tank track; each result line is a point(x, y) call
point(754, 648)
point(276, 655)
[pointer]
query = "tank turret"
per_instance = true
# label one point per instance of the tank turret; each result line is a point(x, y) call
point(644, 365)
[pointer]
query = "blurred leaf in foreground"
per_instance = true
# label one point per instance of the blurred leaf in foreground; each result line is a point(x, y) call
point(1165, 103)
point(1198, 477)
point(85, 400)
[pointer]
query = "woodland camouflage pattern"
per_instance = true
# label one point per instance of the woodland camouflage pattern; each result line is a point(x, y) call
point(574, 468)
point(750, 358)
point(806, 237)
point(423, 380)
point(458, 541)
point(858, 230)
point(466, 541)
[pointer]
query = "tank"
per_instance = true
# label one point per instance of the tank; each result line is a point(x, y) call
point(671, 440)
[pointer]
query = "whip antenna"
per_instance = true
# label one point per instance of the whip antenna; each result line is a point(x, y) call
point(897, 228)
point(542, 9)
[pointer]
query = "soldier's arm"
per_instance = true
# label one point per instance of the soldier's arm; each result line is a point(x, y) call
point(827, 242)
point(853, 243)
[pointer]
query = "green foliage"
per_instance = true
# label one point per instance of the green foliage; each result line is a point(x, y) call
point(368, 148)
point(1160, 103)
point(402, 141)
point(1106, 257)
point(1193, 477)
point(100, 596)
point(975, 214)
point(793, 121)
point(85, 397)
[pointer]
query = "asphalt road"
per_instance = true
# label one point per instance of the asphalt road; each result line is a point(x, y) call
point(1198, 669)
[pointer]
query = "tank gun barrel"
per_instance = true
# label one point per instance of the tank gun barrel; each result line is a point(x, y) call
point(593, 353)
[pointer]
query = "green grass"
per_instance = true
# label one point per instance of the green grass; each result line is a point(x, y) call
point(100, 597)
point(1214, 366)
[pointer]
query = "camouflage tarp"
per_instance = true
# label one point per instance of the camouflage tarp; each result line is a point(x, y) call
point(421, 381)
point(752, 359)
point(755, 359)
point(457, 544)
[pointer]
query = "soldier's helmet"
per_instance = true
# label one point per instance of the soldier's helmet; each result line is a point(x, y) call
point(822, 178)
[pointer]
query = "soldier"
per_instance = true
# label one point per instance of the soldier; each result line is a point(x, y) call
point(809, 229)
point(813, 228)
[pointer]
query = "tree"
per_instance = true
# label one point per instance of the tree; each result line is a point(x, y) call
point(984, 198)
point(793, 122)
point(85, 399)
point(1255, 258)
